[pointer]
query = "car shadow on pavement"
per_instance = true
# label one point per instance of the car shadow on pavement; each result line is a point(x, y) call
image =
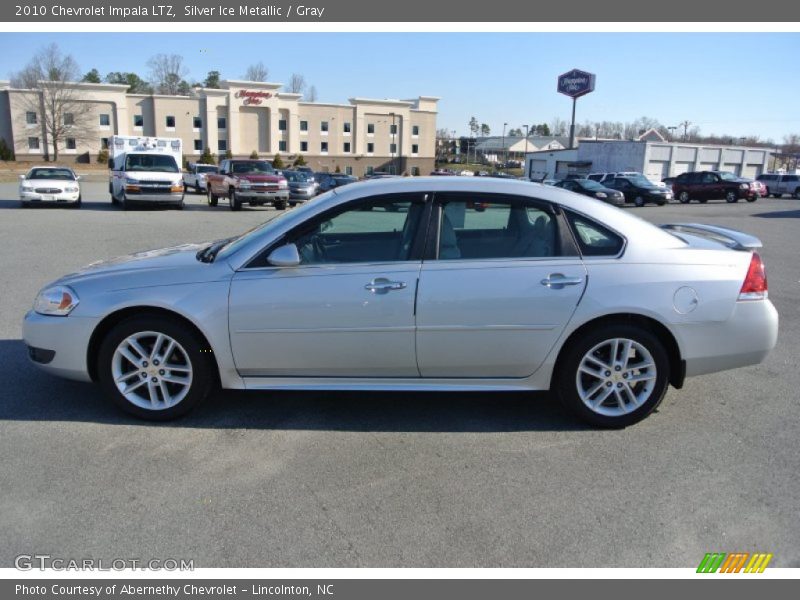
point(779, 214)
point(31, 395)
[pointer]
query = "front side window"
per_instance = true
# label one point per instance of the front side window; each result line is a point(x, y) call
point(488, 227)
point(378, 229)
point(593, 238)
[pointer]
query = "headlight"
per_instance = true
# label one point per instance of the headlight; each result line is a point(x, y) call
point(58, 300)
point(71, 188)
point(601, 195)
point(201, 178)
point(27, 188)
point(129, 181)
point(283, 184)
point(744, 186)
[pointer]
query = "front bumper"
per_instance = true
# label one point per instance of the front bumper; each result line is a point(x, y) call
point(171, 198)
point(301, 194)
point(49, 198)
point(250, 195)
point(67, 338)
point(744, 339)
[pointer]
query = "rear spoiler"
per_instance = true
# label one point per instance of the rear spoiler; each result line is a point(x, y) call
point(733, 239)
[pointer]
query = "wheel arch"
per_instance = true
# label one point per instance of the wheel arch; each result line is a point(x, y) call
point(113, 319)
point(676, 363)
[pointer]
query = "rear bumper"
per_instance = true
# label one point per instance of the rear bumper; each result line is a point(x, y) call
point(59, 345)
point(744, 339)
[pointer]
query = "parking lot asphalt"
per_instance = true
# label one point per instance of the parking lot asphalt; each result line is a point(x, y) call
point(384, 480)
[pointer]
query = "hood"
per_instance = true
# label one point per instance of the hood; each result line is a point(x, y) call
point(149, 260)
point(48, 182)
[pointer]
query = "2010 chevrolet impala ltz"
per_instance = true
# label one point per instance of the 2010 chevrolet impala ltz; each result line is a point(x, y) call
point(418, 284)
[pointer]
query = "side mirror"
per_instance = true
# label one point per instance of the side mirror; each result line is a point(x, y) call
point(111, 163)
point(79, 178)
point(22, 177)
point(284, 256)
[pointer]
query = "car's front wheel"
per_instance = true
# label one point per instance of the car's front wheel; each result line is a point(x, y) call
point(731, 197)
point(639, 201)
point(684, 197)
point(614, 376)
point(154, 368)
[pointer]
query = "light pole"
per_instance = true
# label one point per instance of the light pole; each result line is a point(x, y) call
point(671, 130)
point(524, 166)
point(503, 145)
point(394, 144)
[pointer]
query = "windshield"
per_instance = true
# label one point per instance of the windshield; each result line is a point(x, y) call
point(206, 169)
point(726, 176)
point(295, 176)
point(254, 167)
point(155, 163)
point(641, 181)
point(51, 174)
point(590, 185)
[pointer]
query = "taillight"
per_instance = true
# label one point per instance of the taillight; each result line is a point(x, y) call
point(755, 283)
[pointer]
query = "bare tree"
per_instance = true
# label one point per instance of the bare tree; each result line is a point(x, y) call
point(256, 72)
point(167, 72)
point(56, 101)
point(297, 83)
point(559, 126)
point(312, 93)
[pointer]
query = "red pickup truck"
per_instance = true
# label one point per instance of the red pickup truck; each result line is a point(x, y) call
point(253, 181)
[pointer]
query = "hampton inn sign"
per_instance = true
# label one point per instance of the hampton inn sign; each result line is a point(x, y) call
point(250, 97)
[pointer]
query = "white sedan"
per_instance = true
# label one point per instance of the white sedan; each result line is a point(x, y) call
point(428, 283)
point(50, 184)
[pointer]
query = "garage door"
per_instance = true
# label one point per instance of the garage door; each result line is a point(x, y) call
point(735, 169)
point(708, 167)
point(538, 169)
point(751, 171)
point(657, 170)
point(682, 167)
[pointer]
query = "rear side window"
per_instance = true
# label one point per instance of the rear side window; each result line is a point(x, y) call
point(593, 238)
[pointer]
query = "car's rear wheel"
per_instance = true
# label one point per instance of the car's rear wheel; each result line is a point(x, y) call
point(731, 197)
point(280, 204)
point(235, 201)
point(614, 376)
point(212, 198)
point(684, 197)
point(752, 198)
point(797, 194)
point(155, 368)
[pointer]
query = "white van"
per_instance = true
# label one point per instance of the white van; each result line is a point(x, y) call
point(145, 169)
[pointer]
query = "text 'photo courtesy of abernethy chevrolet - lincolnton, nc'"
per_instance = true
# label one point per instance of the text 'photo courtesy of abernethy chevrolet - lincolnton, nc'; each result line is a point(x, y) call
point(410, 284)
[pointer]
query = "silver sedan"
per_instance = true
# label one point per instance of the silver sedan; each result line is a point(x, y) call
point(418, 284)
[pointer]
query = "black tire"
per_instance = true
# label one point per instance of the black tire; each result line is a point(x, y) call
point(292, 204)
point(24, 204)
point(213, 200)
point(565, 382)
point(752, 198)
point(235, 202)
point(703, 200)
point(731, 197)
point(197, 189)
point(201, 362)
point(684, 197)
point(123, 202)
point(661, 202)
point(797, 194)
point(78, 203)
point(180, 205)
point(280, 204)
point(639, 201)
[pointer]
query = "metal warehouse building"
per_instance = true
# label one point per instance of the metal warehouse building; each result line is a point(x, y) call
point(656, 160)
point(242, 117)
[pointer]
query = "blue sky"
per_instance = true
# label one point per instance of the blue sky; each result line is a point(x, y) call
point(733, 83)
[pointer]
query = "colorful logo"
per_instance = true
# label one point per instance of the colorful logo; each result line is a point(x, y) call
point(734, 562)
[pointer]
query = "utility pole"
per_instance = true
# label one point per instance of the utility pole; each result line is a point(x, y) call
point(685, 126)
point(525, 159)
point(503, 148)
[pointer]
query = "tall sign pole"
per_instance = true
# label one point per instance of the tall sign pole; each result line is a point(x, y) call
point(575, 83)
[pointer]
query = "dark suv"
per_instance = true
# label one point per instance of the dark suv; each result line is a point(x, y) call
point(707, 185)
point(640, 190)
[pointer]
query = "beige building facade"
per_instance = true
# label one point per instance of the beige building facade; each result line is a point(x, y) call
point(362, 136)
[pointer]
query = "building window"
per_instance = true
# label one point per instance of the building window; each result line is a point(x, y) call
point(303, 125)
point(71, 144)
point(323, 127)
point(369, 171)
point(104, 143)
point(392, 148)
point(282, 125)
point(30, 117)
point(348, 170)
point(222, 123)
point(222, 145)
point(370, 128)
point(393, 129)
point(303, 146)
point(138, 121)
point(282, 145)
point(105, 120)
point(198, 145)
point(33, 143)
point(69, 119)
point(415, 171)
point(170, 120)
point(414, 148)
point(323, 147)
point(197, 123)
point(415, 130)
point(346, 147)
point(346, 127)
point(370, 148)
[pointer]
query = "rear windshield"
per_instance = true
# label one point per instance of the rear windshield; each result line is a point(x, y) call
point(725, 176)
point(154, 163)
point(206, 169)
point(51, 174)
point(295, 176)
point(255, 167)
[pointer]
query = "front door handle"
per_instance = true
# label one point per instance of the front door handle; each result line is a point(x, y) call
point(557, 281)
point(381, 285)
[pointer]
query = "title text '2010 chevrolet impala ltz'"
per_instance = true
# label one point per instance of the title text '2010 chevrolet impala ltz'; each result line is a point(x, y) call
point(418, 284)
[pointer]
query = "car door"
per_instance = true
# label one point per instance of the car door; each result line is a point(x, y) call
point(347, 310)
point(502, 283)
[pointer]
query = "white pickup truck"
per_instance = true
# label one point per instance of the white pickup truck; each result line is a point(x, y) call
point(194, 178)
point(778, 184)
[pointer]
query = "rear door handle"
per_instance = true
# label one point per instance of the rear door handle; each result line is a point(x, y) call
point(557, 281)
point(381, 285)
